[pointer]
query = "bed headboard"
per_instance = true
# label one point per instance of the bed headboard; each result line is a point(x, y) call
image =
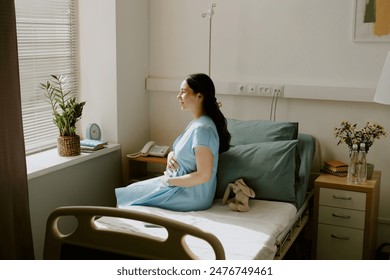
point(272, 158)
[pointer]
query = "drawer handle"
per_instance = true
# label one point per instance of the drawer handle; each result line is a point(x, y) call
point(342, 197)
point(341, 216)
point(340, 237)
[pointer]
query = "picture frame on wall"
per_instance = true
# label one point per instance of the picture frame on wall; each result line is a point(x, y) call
point(371, 21)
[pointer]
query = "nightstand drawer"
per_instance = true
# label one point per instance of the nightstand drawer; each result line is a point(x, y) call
point(343, 198)
point(339, 243)
point(341, 217)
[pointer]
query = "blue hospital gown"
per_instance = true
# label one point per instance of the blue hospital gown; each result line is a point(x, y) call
point(152, 192)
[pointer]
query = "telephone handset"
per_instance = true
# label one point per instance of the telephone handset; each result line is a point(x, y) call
point(153, 150)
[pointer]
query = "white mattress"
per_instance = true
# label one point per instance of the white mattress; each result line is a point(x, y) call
point(245, 235)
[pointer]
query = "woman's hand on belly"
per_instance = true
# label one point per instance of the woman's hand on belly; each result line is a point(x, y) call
point(172, 164)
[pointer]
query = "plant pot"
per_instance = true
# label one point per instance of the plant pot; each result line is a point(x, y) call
point(370, 170)
point(68, 145)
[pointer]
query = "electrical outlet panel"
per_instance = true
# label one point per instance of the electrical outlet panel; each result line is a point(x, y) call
point(258, 89)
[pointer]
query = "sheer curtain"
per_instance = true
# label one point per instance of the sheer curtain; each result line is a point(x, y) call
point(15, 226)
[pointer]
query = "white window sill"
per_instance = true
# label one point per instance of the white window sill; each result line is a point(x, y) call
point(45, 162)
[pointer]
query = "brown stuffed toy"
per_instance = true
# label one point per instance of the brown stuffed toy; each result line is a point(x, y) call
point(240, 202)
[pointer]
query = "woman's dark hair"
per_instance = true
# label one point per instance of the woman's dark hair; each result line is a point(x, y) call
point(202, 83)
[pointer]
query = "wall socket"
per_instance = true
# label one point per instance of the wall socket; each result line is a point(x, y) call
point(278, 90)
point(241, 89)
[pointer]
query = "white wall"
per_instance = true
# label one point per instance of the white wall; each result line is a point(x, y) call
point(114, 64)
point(132, 29)
point(98, 66)
point(300, 42)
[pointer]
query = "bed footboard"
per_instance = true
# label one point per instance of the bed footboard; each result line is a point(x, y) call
point(120, 244)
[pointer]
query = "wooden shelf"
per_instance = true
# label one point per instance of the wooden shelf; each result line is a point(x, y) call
point(162, 160)
point(139, 169)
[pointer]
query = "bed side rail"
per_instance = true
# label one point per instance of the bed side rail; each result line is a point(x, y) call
point(296, 228)
point(121, 242)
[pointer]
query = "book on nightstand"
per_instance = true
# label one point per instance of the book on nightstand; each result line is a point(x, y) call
point(335, 167)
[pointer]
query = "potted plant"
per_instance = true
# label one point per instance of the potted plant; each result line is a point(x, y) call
point(66, 112)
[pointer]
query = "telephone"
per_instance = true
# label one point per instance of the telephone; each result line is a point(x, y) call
point(153, 150)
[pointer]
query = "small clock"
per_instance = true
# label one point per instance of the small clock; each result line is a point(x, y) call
point(93, 132)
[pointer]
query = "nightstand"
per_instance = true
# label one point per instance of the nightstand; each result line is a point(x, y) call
point(140, 168)
point(345, 217)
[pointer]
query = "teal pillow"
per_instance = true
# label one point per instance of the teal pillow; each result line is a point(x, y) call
point(268, 168)
point(258, 131)
point(306, 148)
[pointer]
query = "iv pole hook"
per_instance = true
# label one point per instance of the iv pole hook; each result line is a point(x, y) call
point(210, 14)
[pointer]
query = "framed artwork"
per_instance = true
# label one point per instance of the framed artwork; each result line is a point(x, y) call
point(371, 21)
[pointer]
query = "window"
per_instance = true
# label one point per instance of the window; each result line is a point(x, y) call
point(47, 44)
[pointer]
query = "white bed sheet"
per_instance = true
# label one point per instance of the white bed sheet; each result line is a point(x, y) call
point(244, 235)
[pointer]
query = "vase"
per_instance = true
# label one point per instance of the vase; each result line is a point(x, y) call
point(68, 145)
point(370, 170)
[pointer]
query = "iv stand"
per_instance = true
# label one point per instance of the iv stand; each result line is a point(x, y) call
point(210, 14)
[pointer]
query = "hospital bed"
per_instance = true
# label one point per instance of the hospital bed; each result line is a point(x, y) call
point(271, 157)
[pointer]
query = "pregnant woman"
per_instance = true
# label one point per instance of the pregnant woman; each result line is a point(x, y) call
point(189, 181)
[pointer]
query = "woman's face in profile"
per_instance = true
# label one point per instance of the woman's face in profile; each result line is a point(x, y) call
point(188, 100)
